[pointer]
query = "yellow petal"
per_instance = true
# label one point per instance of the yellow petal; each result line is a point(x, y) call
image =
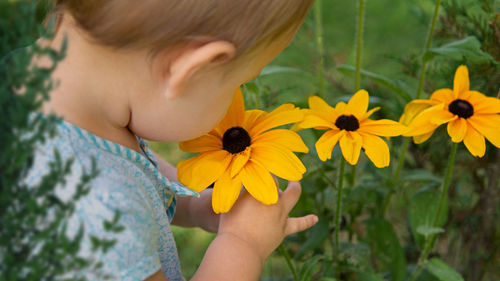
point(442, 116)
point(483, 104)
point(251, 117)
point(474, 142)
point(239, 161)
point(412, 109)
point(370, 112)
point(315, 121)
point(326, 143)
point(206, 169)
point(320, 107)
point(225, 192)
point(443, 96)
point(383, 127)
point(488, 126)
point(457, 129)
point(376, 149)
point(340, 107)
point(350, 144)
point(204, 143)
point(286, 138)
point(281, 162)
point(461, 81)
point(422, 124)
point(421, 138)
point(234, 115)
point(358, 104)
point(185, 170)
point(276, 118)
point(259, 183)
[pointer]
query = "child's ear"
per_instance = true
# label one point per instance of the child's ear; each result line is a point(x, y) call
point(192, 60)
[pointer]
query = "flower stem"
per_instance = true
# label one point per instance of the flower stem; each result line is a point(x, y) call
point(430, 241)
point(401, 161)
point(284, 252)
point(359, 44)
point(320, 47)
point(339, 204)
point(427, 46)
point(421, 79)
point(359, 52)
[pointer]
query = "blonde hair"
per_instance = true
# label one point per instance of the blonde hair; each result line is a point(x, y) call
point(161, 24)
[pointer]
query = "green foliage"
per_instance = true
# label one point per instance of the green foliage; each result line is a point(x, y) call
point(375, 248)
point(34, 244)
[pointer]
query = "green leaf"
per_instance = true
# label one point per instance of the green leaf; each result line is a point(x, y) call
point(309, 268)
point(469, 48)
point(386, 248)
point(368, 276)
point(420, 175)
point(426, 230)
point(318, 234)
point(276, 69)
point(443, 271)
point(423, 209)
point(397, 86)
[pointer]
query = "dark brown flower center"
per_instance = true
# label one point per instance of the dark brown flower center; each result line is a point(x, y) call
point(462, 108)
point(235, 140)
point(347, 122)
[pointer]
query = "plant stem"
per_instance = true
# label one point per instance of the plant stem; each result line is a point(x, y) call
point(429, 242)
point(284, 252)
point(427, 46)
point(421, 79)
point(320, 47)
point(359, 44)
point(401, 161)
point(359, 53)
point(339, 204)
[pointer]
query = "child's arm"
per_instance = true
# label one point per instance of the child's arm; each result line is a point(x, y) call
point(248, 234)
point(190, 211)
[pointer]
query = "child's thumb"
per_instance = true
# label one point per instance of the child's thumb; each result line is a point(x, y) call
point(294, 225)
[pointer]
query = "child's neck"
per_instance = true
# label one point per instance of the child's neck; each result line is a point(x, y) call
point(94, 89)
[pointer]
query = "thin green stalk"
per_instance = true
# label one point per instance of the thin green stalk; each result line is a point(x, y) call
point(428, 43)
point(339, 204)
point(430, 242)
point(284, 252)
point(359, 44)
point(401, 161)
point(359, 52)
point(320, 47)
point(421, 79)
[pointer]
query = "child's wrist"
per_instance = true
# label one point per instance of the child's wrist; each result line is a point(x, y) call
point(241, 244)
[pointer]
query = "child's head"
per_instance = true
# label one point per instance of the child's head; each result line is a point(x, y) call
point(198, 52)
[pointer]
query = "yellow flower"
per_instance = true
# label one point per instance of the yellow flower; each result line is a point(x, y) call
point(243, 150)
point(471, 116)
point(349, 125)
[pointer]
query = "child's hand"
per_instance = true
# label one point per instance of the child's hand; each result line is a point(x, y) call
point(264, 227)
point(201, 212)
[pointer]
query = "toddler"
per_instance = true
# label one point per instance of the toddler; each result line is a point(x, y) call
point(162, 70)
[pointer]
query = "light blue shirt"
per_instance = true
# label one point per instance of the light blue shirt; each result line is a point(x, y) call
point(127, 181)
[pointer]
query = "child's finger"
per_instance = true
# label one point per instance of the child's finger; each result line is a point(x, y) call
point(294, 225)
point(291, 195)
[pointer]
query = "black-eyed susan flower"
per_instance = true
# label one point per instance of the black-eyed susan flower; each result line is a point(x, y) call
point(471, 116)
point(243, 150)
point(349, 125)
